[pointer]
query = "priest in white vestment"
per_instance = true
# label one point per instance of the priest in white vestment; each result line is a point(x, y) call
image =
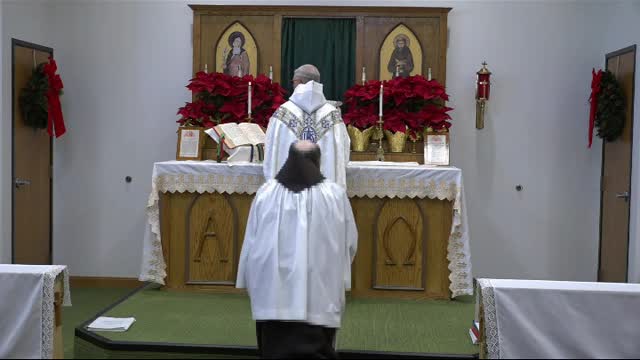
point(296, 258)
point(308, 116)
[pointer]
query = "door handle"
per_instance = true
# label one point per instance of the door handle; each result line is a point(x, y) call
point(623, 195)
point(21, 182)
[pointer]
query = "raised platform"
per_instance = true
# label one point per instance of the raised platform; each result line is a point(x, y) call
point(203, 325)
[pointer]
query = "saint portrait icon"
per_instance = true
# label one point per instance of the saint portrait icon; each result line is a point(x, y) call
point(236, 60)
point(401, 54)
point(401, 61)
point(236, 52)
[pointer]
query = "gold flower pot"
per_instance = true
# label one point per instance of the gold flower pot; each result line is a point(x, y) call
point(396, 140)
point(359, 139)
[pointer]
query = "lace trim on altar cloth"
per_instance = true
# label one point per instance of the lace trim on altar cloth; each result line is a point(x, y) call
point(154, 267)
point(491, 334)
point(48, 307)
point(230, 184)
point(412, 188)
point(308, 128)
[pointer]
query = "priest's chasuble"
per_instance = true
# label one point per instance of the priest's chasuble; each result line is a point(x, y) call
point(297, 253)
point(308, 116)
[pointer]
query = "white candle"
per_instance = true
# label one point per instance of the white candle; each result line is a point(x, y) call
point(239, 71)
point(270, 72)
point(206, 70)
point(429, 74)
point(249, 100)
point(381, 92)
point(364, 75)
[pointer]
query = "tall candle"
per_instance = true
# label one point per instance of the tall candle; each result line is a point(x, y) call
point(381, 92)
point(364, 75)
point(270, 72)
point(249, 100)
point(429, 75)
point(206, 69)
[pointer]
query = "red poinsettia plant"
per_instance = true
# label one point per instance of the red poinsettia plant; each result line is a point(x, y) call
point(221, 98)
point(410, 104)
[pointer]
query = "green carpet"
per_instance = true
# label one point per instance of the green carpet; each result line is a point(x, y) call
point(86, 304)
point(436, 327)
point(186, 318)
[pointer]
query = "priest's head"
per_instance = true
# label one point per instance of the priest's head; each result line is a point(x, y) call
point(304, 74)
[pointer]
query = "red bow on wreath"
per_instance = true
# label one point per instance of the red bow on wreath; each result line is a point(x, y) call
point(593, 99)
point(55, 120)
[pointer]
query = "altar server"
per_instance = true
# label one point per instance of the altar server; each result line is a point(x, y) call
point(296, 258)
point(308, 116)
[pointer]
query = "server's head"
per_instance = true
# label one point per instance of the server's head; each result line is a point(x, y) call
point(302, 168)
point(306, 150)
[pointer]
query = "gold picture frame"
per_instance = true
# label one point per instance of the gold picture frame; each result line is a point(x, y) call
point(190, 143)
point(236, 52)
point(400, 48)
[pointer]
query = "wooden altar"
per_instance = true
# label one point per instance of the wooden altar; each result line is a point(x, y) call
point(410, 244)
point(402, 244)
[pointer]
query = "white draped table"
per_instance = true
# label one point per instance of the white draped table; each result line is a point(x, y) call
point(364, 179)
point(551, 319)
point(27, 319)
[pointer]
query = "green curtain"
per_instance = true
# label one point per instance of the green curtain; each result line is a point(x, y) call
point(329, 44)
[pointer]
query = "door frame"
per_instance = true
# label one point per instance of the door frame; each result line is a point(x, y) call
point(608, 56)
point(15, 43)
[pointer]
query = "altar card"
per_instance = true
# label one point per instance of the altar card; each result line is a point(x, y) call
point(436, 149)
point(190, 143)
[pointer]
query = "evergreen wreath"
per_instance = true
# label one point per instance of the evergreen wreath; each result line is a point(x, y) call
point(610, 112)
point(33, 99)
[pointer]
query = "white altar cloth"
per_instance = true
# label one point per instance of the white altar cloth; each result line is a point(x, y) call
point(27, 318)
point(552, 319)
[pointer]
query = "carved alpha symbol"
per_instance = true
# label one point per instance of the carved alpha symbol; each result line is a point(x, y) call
point(209, 232)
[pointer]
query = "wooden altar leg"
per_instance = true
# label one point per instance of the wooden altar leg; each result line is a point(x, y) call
point(402, 248)
point(195, 258)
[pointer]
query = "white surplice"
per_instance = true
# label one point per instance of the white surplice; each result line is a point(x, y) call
point(297, 253)
point(308, 116)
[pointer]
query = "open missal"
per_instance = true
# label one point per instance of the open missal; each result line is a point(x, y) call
point(244, 142)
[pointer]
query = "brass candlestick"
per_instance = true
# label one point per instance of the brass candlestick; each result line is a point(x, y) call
point(415, 138)
point(249, 118)
point(380, 151)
